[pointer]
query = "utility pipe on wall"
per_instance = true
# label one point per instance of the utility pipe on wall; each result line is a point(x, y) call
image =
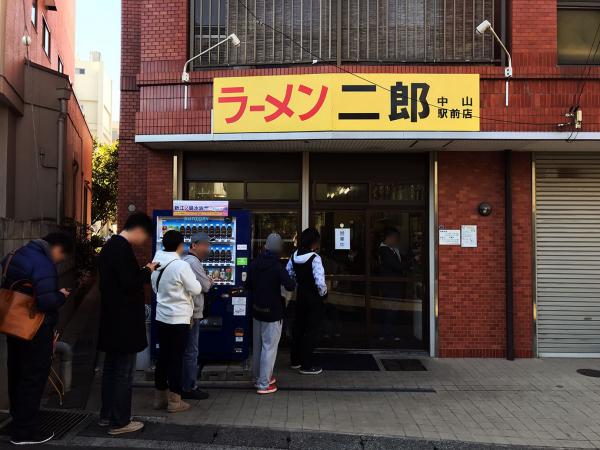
point(64, 94)
point(508, 255)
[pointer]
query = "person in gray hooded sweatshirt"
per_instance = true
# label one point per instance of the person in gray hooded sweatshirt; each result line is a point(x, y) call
point(266, 277)
point(199, 249)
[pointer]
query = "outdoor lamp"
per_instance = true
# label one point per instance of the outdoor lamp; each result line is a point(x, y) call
point(185, 76)
point(508, 71)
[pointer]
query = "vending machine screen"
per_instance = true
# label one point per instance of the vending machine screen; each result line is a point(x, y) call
point(221, 261)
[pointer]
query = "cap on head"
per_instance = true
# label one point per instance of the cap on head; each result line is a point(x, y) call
point(200, 238)
point(274, 243)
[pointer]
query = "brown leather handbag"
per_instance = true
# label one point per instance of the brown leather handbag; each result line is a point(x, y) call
point(19, 316)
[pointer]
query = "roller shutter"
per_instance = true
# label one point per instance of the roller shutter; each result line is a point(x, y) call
point(568, 254)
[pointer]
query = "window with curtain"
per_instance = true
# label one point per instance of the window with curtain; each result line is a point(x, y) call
point(386, 31)
point(578, 32)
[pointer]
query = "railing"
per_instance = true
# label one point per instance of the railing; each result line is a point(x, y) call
point(377, 31)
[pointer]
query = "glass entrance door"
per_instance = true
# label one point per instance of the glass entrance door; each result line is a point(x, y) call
point(377, 285)
point(396, 282)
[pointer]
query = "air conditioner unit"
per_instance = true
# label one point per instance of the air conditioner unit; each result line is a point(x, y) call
point(51, 5)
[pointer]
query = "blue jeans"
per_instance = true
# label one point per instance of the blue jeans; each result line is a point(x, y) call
point(117, 378)
point(190, 359)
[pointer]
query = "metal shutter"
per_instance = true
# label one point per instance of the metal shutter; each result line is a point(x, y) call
point(568, 254)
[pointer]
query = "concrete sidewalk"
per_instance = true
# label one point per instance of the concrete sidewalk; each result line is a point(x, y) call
point(525, 402)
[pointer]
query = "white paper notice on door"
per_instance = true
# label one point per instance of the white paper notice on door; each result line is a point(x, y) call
point(239, 310)
point(468, 236)
point(449, 237)
point(342, 238)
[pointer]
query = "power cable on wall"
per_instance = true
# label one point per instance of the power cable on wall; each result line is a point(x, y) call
point(359, 76)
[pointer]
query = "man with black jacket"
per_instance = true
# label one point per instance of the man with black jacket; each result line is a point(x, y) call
point(122, 320)
point(29, 362)
point(266, 278)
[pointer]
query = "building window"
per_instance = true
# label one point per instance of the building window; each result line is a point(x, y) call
point(61, 67)
point(341, 192)
point(34, 13)
point(79, 71)
point(577, 32)
point(273, 191)
point(215, 191)
point(417, 31)
point(46, 38)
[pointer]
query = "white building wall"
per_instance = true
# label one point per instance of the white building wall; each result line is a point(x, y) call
point(93, 88)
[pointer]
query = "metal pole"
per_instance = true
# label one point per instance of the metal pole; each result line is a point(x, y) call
point(508, 255)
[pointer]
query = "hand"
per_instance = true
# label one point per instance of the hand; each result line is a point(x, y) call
point(65, 292)
point(152, 266)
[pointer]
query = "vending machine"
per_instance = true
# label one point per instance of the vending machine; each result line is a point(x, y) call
point(225, 328)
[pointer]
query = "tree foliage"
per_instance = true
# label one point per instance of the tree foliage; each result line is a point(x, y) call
point(104, 182)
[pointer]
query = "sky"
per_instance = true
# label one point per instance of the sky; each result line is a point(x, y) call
point(98, 27)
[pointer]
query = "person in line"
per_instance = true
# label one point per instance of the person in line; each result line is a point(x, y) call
point(29, 362)
point(122, 320)
point(266, 278)
point(199, 250)
point(390, 265)
point(175, 284)
point(306, 267)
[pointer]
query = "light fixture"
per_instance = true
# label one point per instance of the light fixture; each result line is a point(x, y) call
point(485, 209)
point(185, 76)
point(508, 70)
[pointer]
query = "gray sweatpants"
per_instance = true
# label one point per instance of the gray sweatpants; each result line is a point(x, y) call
point(266, 340)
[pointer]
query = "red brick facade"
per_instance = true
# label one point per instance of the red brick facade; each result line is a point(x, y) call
point(471, 281)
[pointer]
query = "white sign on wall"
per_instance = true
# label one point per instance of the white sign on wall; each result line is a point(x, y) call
point(342, 238)
point(449, 237)
point(468, 235)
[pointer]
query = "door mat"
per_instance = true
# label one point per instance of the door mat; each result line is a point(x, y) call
point(347, 361)
point(589, 373)
point(403, 365)
point(59, 422)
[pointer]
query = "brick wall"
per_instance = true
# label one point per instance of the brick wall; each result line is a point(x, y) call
point(471, 280)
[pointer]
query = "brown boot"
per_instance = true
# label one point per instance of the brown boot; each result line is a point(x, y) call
point(176, 404)
point(161, 399)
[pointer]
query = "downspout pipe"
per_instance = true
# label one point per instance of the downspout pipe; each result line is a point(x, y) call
point(508, 256)
point(66, 363)
point(64, 94)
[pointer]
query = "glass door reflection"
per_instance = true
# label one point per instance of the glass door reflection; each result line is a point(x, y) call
point(397, 288)
point(345, 308)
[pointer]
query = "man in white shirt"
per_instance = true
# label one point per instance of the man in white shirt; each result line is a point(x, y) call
point(175, 284)
point(199, 249)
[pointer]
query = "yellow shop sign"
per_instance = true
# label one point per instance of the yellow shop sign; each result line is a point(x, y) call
point(346, 102)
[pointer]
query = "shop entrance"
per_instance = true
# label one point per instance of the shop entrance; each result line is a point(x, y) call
point(378, 289)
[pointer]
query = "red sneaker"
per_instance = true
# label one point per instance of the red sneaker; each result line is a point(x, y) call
point(272, 381)
point(270, 390)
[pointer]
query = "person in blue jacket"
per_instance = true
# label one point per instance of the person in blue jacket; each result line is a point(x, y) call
point(29, 361)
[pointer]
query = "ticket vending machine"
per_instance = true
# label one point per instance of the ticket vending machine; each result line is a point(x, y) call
point(225, 329)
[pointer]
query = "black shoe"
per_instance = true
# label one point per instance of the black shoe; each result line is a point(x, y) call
point(37, 438)
point(196, 394)
point(311, 371)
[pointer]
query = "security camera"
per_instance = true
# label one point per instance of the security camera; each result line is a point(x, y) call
point(483, 27)
point(235, 40)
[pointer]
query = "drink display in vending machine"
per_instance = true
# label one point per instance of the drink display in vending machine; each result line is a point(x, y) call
point(225, 328)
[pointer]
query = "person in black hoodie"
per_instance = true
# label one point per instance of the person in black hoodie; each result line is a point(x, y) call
point(306, 267)
point(122, 320)
point(29, 362)
point(266, 277)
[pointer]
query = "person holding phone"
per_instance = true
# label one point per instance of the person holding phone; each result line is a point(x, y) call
point(175, 285)
point(122, 320)
point(29, 362)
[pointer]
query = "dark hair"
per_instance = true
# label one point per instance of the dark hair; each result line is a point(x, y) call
point(139, 220)
point(171, 240)
point(308, 238)
point(62, 240)
point(389, 232)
